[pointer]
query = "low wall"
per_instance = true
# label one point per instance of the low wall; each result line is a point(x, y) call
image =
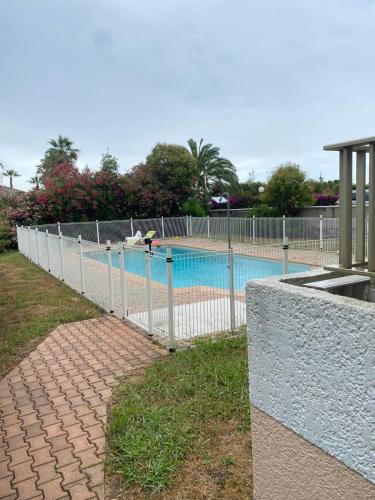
point(327, 212)
point(312, 391)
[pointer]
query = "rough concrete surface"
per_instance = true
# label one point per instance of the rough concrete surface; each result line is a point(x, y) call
point(287, 467)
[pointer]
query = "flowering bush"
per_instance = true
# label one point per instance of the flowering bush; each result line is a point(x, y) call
point(325, 199)
point(148, 190)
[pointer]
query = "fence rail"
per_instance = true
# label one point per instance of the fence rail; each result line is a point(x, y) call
point(255, 230)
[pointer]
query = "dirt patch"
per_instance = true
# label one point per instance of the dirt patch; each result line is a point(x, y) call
point(222, 469)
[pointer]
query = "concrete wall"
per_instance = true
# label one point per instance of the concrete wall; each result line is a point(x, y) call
point(328, 212)
point(312, 370)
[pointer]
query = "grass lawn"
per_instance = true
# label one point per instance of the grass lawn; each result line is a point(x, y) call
point(32, 303)
point(181, 428)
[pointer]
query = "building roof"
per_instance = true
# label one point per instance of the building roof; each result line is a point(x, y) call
point(356, 144)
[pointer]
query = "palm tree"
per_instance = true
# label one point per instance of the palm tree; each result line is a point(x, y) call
point(61, 151)
point(63, 146)
point(35, 181)
point(211, 167)
point(11, 174)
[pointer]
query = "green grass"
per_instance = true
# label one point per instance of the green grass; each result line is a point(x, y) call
point(32, 303)
point(174, 409)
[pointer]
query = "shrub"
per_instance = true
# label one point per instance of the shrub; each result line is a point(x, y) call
point(8, 238)
point(325, 199)
point(287, 190)
point(193, 207)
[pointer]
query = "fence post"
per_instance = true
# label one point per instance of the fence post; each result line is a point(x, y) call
point(187, 225)
point(29, 242)
point(81, 265)
point(171, 337)
point(231, 290)
point(124, 304)
point(131, 226)
point(61, 256)
point(284, 229)
point(23, 239)
point(97, 232)
point(285, 255)
point(191, 226)
point(58, 228)
point(110, 279)
point(48, 258)
point(321, 232)
point(37, 245)
point(19, 238)
point(254, 229)
point(148, 292)
point(208, 226)
point(162, 227)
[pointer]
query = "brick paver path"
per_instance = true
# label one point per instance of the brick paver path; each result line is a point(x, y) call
point(53, 409)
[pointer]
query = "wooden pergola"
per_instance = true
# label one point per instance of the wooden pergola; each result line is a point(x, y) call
point(362, 148)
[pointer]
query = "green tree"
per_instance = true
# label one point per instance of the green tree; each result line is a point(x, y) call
point(11, 174)
point(61, 151)
point(172, 171)
point(211, 169)
point(109, 164)
point(288, 190)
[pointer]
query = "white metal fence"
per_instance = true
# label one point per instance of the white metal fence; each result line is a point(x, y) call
point(174, 292)
point(255, 230)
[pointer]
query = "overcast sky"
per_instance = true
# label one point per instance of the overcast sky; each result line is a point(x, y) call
point(266, 81)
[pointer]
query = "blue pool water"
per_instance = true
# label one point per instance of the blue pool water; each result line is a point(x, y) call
point(194, 267)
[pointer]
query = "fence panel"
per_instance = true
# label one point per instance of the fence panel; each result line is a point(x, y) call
point(175, 227)
point(114, 231)
point(95, 270)
point(200, 294)
point(146, 225)
point(42, 248)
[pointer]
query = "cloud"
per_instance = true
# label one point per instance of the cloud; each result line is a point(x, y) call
point(266, 81)
point(102, 39)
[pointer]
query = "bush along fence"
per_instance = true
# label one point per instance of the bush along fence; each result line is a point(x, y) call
point(173, 292)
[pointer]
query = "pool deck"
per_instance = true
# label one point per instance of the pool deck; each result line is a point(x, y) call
point(315, 257)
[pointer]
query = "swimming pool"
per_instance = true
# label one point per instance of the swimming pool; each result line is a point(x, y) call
point(196, 267)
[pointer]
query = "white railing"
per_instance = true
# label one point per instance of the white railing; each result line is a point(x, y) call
point(173, 292)
point(255, 230)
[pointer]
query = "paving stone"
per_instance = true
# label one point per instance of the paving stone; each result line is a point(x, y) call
point(71, 473)
point(4, 469)
point(80, 491)
point(22, 472)
point(15, 442)
point(53, 409)
point(6, 487)
point(46, 472)
point(53, 490)
point(42, 456)
point(64, 457)
point(19, 455)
